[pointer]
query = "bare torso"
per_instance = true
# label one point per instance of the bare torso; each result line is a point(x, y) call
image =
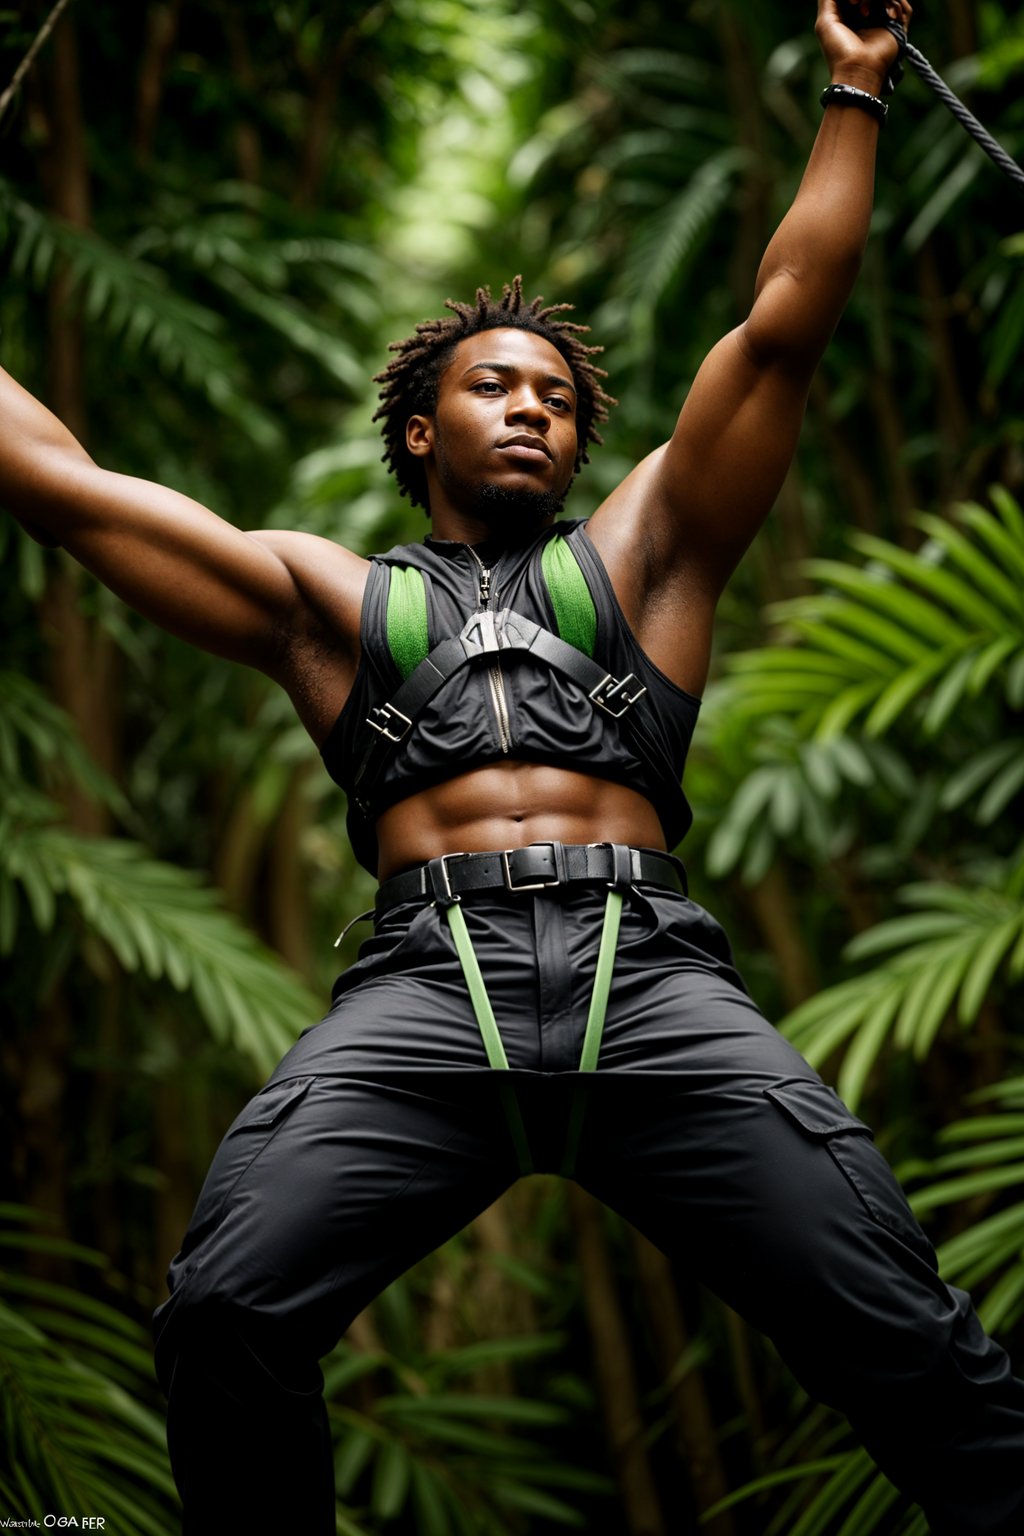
point(507, 805)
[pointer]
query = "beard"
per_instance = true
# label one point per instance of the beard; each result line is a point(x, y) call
point(513, 512)
point(506, 509)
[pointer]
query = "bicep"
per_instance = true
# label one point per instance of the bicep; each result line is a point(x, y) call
point(172, 560)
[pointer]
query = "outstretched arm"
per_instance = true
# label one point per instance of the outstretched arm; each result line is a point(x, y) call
point(168, 557)
point(689, 511)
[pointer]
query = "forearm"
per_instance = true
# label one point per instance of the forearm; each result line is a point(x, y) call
point(811, 264)
point(821, 240)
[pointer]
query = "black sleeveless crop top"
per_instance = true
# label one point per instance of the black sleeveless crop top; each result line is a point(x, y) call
point(526, 710)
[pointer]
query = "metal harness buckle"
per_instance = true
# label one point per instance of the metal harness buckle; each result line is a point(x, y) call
point(442, 889)
point(541, 885)
point(386, 715)
point(611, 689)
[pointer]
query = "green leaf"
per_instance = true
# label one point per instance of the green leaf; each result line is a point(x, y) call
point(391, 1481)
point(984, 965)
point(901, 692)
point(964, 601)
point(949, 693)
point(968, 780)
point(982, 572)
point(863, 1053)
point(1002, 790)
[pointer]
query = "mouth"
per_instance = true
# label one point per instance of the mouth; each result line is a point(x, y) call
point(527, 447)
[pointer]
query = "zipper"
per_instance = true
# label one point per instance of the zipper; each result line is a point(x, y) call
point(497, 683)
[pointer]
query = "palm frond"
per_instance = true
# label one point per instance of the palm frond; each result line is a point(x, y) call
point(134, 304)
point(158, 920)
point(431, 1450)
point(33, 727)
point(915, 634)
point(796, 791)
point(985, 1162)
point(79, 1434)
point(948, 951)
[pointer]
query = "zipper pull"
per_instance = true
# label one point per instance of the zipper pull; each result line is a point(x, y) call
point(485, 586)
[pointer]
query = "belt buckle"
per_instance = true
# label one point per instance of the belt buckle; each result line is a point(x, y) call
point(387, 715)
point(442, 890)
point(622, 879)
point(616, 690)
point(543, 885)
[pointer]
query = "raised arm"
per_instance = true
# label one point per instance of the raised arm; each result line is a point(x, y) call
point(168, 557)
point(684, 518)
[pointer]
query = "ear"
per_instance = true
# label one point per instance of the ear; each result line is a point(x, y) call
point(419, 436)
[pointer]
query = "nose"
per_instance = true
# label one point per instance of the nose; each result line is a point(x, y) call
point(526, 406)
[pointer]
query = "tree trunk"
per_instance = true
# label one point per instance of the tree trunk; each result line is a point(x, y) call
point(325, 86)
point(954, 423)
point(288, 905)
point(81, 659)
point(771, 902)
point(614, 1370)
point(696, 1434)
point(248, 147)
point(849, 479)
point(162, 19)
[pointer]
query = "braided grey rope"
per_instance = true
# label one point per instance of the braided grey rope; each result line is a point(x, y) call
point(963, 115)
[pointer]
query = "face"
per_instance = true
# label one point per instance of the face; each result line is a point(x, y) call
point(500, 449)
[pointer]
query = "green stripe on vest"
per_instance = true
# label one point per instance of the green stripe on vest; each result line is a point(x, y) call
point(408, 637)
point(575, 613)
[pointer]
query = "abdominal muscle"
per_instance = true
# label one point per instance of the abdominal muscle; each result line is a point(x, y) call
point(508, 805)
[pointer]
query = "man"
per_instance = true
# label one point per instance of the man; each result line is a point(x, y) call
point(509, 709)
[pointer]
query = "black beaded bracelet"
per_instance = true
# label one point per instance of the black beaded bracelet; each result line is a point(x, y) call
point(853, 96)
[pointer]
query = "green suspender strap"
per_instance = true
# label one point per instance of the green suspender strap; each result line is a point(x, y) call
point(595, 1026)
point(408, 636)
point(491, 1035)
point(575, 613)
point(489, 1031)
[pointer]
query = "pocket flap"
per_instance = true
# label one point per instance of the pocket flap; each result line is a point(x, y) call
point(271, 1103)
point(815, 1107)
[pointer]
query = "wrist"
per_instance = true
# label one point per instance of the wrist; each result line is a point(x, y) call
point(845, 96)
point(855, 74)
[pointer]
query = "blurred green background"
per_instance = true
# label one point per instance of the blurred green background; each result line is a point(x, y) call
point(213, 218)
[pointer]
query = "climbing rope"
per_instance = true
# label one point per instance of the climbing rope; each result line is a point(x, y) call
point(963, 115)
point(879, 18)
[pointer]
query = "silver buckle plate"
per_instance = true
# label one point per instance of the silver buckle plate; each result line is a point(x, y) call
point(447, 877)
point(611, 689)
point(542, 885)
point(387, 715)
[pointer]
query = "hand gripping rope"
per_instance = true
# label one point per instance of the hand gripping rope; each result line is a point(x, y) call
point(878, 18)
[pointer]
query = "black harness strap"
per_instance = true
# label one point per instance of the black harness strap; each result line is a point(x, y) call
point(484, 634)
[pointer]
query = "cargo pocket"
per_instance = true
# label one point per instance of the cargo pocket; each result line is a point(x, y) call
point(271, 1104)
point(819, 1112)
point(255, 1128)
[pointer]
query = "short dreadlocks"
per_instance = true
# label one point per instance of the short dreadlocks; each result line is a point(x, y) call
point(411, 380)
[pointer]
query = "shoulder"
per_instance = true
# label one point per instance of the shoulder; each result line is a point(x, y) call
point(329, 582)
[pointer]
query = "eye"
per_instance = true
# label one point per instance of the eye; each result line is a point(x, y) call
point(490, 385)
point(559, 402)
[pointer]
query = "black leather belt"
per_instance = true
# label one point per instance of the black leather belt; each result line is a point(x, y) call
point(538, 867)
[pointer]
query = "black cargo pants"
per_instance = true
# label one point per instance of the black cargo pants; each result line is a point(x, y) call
point(381, 1134)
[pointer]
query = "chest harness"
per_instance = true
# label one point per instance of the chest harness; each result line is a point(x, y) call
point(424, 673)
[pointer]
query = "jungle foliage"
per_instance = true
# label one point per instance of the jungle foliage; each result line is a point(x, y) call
point(213, 217)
